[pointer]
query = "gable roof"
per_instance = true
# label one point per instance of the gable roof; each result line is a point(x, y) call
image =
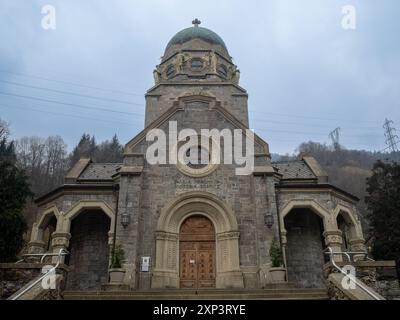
point(99, 171)
point(292, 170)
point(215, 105)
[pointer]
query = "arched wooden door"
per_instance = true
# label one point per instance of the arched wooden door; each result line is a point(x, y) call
point(197, 253)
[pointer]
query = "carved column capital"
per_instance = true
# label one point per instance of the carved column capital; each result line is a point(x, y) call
point(333, 238)
point(60, 240)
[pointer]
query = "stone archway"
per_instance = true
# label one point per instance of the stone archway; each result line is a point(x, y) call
point(312, 228)
point(304, 248)
point(352, 234)
point(43, 229)
point(166, 270)
point(88, 260)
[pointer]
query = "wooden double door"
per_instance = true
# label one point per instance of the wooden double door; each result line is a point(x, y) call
point(197, 253)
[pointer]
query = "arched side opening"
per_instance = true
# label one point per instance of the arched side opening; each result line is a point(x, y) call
point(49, 225)
point(197, 253)
point(350, 227)
point(304, 248)
point(43, 230)
point(89, 251)
point(344, 227)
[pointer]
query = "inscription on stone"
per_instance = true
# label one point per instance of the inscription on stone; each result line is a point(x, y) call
point(187, 184)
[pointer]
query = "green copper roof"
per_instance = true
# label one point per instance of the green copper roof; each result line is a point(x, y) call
point(196, 32)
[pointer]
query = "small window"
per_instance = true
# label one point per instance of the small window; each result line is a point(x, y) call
point(170, 71)
point(222, 71)
point(197, 64)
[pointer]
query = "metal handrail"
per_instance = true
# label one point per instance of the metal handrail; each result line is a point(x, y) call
point(43, 255)
point(349, 276)
point(62, 253)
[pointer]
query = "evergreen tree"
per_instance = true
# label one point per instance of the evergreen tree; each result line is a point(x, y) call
point(384, 204)
point(85, 148)
point(14, 191)
point(109, 151)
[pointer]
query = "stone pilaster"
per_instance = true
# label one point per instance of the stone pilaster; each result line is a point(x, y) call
point(129, 205)
point(333, 239)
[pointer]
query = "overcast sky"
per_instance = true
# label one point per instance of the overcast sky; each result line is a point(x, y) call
point(304, 73)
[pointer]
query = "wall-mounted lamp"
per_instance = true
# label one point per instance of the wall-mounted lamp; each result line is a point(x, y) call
point(269, 220)
point(125, 219)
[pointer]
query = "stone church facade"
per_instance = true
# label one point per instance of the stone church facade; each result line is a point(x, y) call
point(197, 226)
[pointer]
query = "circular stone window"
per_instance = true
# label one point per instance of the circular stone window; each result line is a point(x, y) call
point(195, 160)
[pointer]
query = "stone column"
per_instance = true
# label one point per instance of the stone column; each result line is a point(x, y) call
point(60, 240)
point(284, 244)
point(333, 239)
point(357, 245)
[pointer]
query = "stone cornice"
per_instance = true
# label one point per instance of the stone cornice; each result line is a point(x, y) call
point(318, 187)
point(194, 83)
point(76, 188)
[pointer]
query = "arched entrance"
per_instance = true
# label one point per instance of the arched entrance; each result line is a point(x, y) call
point(166, 273)
point(197, 253)
point(304, 249)
point(89, 251)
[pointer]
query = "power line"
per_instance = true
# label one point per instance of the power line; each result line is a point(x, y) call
point(307, 117)
point(270, 139)
point(69, 104)
point(70, 83)
point(311, 133)
point(258, 129)
point(70, 93)
point(65, 115)
point(309, 125)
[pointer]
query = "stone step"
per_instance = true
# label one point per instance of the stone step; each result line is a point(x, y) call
point(266, 294)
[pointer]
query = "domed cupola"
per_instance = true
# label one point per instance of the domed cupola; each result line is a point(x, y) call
point(196, 53)
point(186, 39)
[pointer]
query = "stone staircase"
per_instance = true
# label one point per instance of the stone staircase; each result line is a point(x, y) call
point(215, 294)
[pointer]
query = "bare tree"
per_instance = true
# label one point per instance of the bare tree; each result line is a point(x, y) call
point(4, 129)
point(44, 161)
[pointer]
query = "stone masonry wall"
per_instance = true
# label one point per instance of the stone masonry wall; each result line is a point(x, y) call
point(89, 250)
point(146, 195)
point(304, 252)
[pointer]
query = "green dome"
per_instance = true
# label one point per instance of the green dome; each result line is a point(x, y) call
point(196, 32)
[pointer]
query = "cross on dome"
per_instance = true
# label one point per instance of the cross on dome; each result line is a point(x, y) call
point(196, 22)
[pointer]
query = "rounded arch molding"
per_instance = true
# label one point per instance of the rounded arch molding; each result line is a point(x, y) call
point(166, 266)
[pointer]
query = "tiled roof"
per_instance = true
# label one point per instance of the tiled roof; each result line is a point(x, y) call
point(99, 171)
point(297, 169)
